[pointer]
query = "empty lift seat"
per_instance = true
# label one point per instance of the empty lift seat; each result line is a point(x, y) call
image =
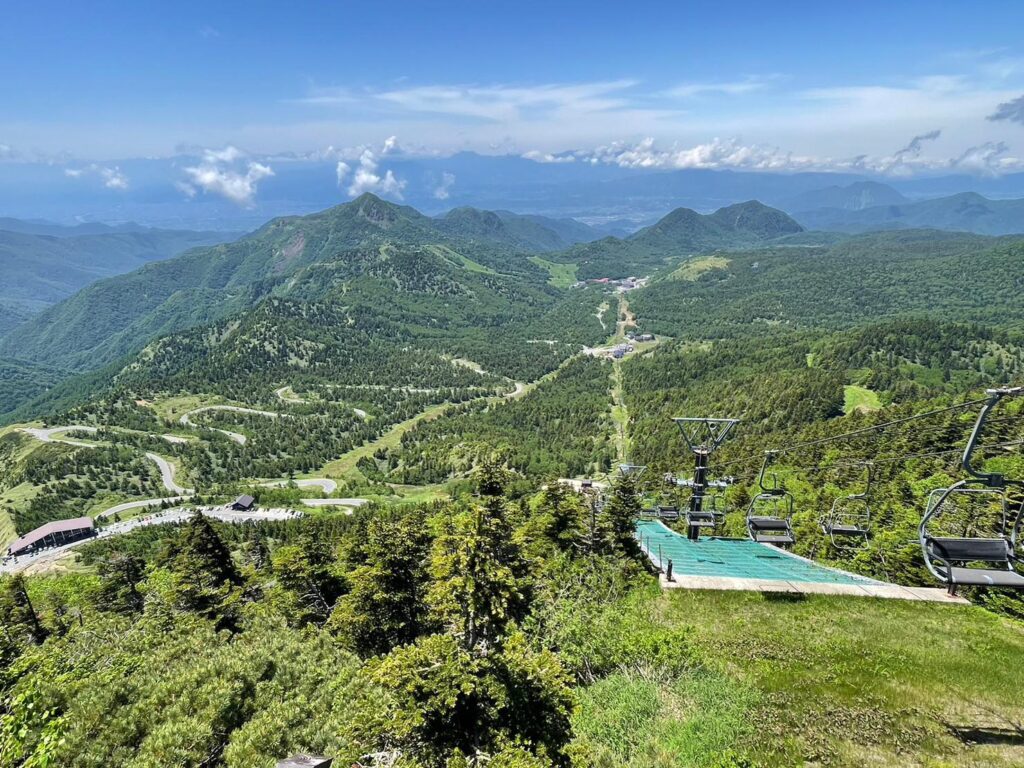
point(770, 530)
point(951, 558)
point(668, 513)
point(701, 519)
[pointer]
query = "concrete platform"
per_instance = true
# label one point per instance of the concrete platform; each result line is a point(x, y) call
point(714, 563)
point(884, 591)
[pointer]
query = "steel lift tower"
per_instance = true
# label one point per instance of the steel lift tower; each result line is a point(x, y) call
point(703, 437)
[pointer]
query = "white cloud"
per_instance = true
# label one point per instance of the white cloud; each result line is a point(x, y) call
point(484, 102)
point(726, 88)
point(988, 159)
point(226, 172)
point(342, 171)
point(715, 154)
point(719, 154)
point(550, 157)
point(366, 176)
point(442, 191)
point(111, 176)
point(825, 126)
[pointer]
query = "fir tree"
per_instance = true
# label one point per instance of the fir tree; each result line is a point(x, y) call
point(119, 577)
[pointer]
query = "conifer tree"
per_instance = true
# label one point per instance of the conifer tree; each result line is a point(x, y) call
point(20, 622)
point(205, 578)
point(476, 568)
point(119, 578)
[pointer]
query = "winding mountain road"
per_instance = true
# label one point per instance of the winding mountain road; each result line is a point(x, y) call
point(186, 418)
point(52, 434)
point(328, 485)
point(167, 470)
point(167, 475)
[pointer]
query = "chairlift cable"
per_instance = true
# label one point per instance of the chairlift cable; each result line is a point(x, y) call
point(867, 430)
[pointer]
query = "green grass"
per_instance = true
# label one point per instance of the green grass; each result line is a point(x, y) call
point(826, 681)
point(559, 275)
point(620, 414)
point(860, 399)
point(457, 259)
point(691, 270)
point(346, 465)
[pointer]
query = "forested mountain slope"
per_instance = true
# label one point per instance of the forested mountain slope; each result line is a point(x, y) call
point(118, 316)
point(965, 212)
point(450, 384)
point(681, 233)
point(513, 230)
point(42, 269)
point(955, 277)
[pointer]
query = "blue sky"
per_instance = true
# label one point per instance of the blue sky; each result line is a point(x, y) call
point(762, 85)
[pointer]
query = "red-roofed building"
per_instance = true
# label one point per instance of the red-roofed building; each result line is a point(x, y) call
point(53, 535)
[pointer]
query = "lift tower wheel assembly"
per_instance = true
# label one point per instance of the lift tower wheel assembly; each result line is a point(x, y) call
point(703, 436)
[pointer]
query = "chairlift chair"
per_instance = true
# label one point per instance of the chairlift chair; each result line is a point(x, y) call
point(985, 553)
point(769, 516)
point(848, 523)
point(711, 514)
point(666, 512)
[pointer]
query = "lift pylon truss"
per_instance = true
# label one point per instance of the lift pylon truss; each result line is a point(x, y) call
point(704, 435)
point(632, 470)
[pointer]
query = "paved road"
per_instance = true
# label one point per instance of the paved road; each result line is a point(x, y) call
point(327, 484)
point(49, 556)
point(52, 434)
point(130, 505)
point(167, 474)
point(238, 438)
point(282, 394)
point(335, 502)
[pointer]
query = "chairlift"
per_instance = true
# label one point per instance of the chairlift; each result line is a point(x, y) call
point(770, 512)
point(968, 535)
point(710, 515)
point(848, 523)
point(666, 512)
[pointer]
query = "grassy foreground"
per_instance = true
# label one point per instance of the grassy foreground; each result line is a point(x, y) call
point(816, 681)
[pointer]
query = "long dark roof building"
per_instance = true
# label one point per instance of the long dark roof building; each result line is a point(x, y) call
point(51, 534)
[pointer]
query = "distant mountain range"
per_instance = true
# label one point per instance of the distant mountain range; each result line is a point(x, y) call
point(529, 232)
point(43, 263)
point(853, 197)
point(681, 233)
point(965, 212)
point(594, 193)
point(311, 256)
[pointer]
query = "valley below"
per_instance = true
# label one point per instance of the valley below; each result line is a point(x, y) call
point(363, 477)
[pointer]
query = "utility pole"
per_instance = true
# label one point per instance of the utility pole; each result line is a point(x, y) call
point(703, 436)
